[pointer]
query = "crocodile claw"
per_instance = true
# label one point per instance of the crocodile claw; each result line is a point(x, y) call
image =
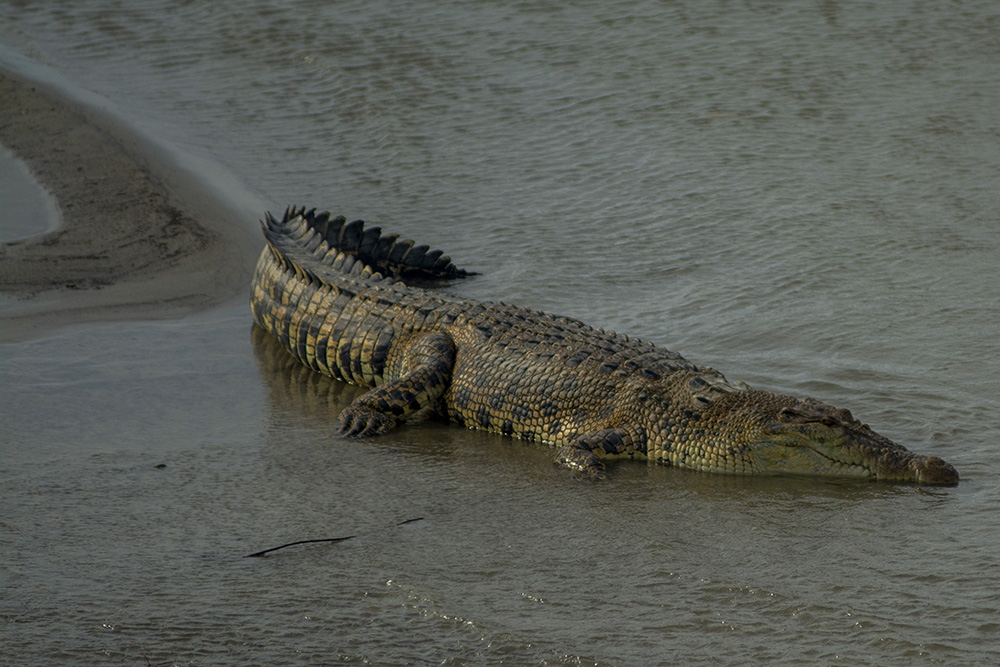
point(362, 422)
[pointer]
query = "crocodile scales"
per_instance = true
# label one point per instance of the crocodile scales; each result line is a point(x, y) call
point(340, 298)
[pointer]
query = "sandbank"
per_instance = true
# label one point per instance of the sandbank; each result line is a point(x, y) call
point(141, 236)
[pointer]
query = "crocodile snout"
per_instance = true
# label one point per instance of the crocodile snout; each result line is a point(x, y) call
point(933, 470)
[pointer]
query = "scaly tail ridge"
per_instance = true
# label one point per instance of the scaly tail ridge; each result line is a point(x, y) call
point(312, 243)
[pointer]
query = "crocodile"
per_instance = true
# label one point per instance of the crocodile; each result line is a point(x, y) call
point(365, 307)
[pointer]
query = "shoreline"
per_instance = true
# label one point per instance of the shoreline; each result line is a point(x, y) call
point(141, 236)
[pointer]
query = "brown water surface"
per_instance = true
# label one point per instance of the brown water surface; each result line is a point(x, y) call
point(803, 196)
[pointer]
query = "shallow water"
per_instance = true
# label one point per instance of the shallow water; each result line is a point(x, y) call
point(28, 209)
point(804, 198)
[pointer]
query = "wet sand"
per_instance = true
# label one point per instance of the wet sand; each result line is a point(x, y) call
point(139, 237)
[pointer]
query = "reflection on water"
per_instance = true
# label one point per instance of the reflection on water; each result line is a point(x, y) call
point(295, 388)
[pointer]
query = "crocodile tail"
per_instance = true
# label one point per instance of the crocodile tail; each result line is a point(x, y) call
point(305, 241)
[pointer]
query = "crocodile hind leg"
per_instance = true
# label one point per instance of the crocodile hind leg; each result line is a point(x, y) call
point(584, 454)
point(424, 371)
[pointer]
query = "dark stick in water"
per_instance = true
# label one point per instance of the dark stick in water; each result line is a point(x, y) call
point(324, 539)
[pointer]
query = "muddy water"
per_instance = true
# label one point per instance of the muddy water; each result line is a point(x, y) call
point(803, 198)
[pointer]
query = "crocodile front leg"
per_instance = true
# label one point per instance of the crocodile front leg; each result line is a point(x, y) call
point(424, 371)
point(584, 454)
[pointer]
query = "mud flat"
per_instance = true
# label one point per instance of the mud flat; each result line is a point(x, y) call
point(139, 236)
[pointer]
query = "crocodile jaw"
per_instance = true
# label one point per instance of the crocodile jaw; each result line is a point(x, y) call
point(781, 435)
point(795, 456)
point(836, 451)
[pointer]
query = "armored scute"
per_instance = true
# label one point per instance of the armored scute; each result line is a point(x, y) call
point(336, 295)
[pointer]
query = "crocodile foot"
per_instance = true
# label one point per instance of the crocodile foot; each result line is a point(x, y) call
point(583, 462)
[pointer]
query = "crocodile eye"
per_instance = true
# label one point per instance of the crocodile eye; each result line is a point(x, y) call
point(793, 416)
point(790, 416)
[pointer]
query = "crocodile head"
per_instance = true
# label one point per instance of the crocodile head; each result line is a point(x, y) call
point(791, 436)
point(758, 432)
